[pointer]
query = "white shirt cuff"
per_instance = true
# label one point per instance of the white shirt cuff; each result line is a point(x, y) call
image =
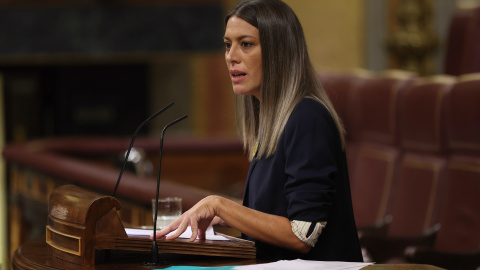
point(300, 229)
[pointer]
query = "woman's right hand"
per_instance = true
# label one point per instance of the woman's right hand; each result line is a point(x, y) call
point(199, 218)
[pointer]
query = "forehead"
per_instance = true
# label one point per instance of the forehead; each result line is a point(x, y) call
point(239, 27)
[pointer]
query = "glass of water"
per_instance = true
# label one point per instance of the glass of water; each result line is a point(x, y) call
point(168, 210)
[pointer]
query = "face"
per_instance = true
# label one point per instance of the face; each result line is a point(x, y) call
point(243, 55)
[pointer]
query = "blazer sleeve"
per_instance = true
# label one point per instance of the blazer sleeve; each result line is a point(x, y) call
point(310, 144)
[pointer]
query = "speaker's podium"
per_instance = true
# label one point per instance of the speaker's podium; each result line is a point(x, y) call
point(82, 223)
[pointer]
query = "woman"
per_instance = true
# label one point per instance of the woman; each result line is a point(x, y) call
point(297, 197)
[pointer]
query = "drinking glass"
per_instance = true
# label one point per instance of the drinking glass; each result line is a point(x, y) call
point(168, 210)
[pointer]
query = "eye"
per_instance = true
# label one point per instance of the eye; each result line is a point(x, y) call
point(227, 45)
point(246, 44)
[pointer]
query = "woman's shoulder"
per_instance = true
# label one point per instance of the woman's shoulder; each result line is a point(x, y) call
point(311, 121)
point(309, 108)
point(310, 113)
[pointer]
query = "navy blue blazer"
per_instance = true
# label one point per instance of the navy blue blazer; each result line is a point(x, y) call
point(307, 180)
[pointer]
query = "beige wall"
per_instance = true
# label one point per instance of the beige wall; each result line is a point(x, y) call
point(334, 31)
point(3, 190)
point(467, 3)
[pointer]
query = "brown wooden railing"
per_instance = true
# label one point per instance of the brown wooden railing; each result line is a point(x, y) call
point(36, 168)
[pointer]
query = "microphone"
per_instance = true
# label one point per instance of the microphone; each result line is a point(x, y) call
point(154, 251)
point(133, 140)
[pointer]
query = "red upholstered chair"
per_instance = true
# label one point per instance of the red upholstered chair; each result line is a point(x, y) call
point(374, 123)
point(419, 191)
point(458, 241)
point(338, 87)
point(463, 42)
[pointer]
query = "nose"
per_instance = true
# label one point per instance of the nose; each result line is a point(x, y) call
point(231, 55)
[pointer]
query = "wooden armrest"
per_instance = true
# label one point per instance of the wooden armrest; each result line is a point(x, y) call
point(464, 261)
point(379, 229)
point(382, 248)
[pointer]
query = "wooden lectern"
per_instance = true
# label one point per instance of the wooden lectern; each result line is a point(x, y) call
point(81, 222)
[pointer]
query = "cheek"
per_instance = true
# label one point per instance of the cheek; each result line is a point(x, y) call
point(259, 73)
point(259, 77)
point(259, 67)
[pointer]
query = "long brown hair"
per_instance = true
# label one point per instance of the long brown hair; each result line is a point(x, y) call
point(288, 75)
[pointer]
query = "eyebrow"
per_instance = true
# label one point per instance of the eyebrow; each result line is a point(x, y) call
point(240, 37)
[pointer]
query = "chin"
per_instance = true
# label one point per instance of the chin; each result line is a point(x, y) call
point(239, 92)
point(242, 92)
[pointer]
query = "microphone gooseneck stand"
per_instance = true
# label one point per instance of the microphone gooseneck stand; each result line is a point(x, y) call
point(154, 251)
point(133, 140)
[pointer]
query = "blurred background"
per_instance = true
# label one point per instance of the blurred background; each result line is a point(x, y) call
point(98, 68)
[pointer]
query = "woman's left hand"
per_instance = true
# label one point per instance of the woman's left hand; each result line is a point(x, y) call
point(199, 218)
point(268, 228)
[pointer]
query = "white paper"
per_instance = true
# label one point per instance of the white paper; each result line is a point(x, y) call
point(304, 265)
point(209, 234)
point(138, 232)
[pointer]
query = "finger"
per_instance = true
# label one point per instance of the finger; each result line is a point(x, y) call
point(164, 231)
point(194, 227)
point(216, 220)
point(194, 234)
point(180, 229)
point(170, 227)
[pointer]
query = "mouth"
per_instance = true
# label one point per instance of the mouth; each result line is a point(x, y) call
point(238, 74)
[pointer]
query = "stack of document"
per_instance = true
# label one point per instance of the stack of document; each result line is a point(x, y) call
point(209, 234)
point(283, 265)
